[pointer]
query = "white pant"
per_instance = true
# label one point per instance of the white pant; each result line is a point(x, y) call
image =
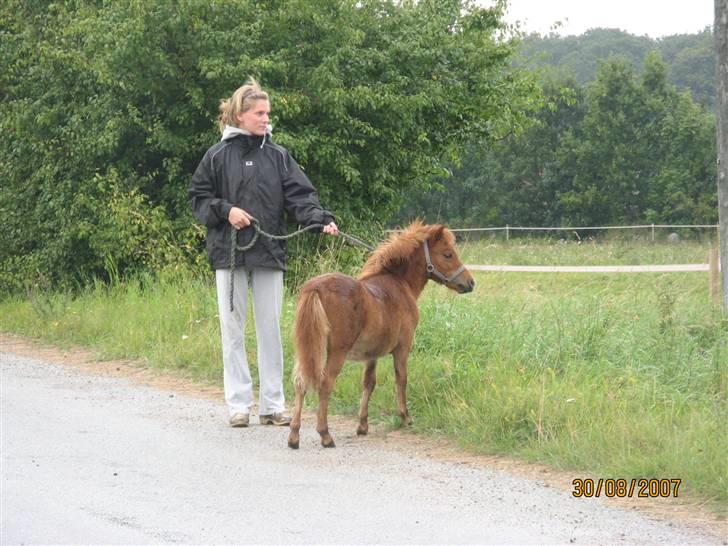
point(267, 288)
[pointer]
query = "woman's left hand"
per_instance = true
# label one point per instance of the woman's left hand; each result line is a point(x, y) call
point(331, 229)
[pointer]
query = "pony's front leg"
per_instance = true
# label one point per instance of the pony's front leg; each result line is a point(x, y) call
point(293, 436)
point(369, 381)
point(400, 374)
point(334, 363)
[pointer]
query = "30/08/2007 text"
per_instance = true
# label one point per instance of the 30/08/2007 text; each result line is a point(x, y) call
point(626, 488)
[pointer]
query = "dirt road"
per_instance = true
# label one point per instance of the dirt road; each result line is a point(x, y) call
point(92, 459)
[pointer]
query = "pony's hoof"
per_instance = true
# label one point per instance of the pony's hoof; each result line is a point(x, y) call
point(293, 445)
point(362, 431)
point(328, 444)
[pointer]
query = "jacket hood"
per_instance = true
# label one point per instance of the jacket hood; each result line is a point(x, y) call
point(231, 131)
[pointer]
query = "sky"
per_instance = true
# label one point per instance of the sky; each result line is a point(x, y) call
point(654, 18)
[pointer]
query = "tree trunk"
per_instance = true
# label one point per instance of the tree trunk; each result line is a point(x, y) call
point(721, 65)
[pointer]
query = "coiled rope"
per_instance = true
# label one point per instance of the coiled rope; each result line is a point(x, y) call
point(259, 231)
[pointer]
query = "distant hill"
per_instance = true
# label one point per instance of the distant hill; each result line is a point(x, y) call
point(690, 57)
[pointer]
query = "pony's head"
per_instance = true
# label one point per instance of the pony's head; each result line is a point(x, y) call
point(439, 254)
point(443, 262)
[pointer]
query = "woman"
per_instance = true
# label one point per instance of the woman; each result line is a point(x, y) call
point(246, 176)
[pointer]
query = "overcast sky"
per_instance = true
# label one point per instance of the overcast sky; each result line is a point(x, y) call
point(654, 18)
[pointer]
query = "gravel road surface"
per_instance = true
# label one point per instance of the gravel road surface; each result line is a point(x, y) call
point(88, 459)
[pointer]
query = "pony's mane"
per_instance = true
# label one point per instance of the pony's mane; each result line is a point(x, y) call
point(399, 247)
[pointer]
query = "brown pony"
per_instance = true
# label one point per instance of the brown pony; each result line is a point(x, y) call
point(340, 318)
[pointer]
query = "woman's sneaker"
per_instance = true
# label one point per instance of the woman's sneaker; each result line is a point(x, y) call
point(279, 418)
point(239, 419)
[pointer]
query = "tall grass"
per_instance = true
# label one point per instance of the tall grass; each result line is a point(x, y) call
point(619, 377)
point(616, 375)
point(167, 323)
point(540, 250)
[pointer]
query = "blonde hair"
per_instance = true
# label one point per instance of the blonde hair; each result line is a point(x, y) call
point(241, 101)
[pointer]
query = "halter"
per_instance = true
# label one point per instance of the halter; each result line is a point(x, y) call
point(432, 270)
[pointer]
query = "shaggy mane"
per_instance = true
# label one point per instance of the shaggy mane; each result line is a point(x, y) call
point(398, 248)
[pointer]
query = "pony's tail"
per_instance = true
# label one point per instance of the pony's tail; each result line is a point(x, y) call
point(311, 332)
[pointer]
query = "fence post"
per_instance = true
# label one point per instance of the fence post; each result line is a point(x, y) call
point(508, 233)
point(653, 233)
point(714, 275)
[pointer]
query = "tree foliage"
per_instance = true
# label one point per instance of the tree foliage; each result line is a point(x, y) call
point(647, 153)
point(624, 148)
point(690, 58)
point(108, 106)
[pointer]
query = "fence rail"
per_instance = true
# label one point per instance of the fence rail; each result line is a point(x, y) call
point(713, 268)
point(508, 228)
point(673, 268)
point(587, 228)
point(651, 227)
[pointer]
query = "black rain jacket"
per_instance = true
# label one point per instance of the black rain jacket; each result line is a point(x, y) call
point(262, 178)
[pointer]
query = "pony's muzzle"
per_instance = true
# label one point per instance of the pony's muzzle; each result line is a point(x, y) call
point(469, 286)
point(463, 286)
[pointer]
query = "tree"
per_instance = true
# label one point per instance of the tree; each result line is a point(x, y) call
point(513, 181)
point(627, 148)
point(645, 154)
point(689, 57)
point(612, 165)
point(107, 108)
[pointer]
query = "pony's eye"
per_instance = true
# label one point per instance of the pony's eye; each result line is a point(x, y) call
point(448, 255)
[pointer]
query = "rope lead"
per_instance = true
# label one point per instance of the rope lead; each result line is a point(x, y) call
point(258, 232)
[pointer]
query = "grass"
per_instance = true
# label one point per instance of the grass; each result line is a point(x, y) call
point(621, 376)
point(537, 250)
point(618, 375)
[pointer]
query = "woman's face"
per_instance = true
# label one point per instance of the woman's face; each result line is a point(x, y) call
point(255, 118)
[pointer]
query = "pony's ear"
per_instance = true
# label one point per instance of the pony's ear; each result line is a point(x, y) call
point(436, 233)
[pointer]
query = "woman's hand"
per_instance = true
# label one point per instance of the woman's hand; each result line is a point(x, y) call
point(239, 218)
point(331, 229)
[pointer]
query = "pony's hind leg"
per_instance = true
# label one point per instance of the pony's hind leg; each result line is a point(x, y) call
point(369, 381)
point(334, 363)
point(400, 374)
point(294, 436)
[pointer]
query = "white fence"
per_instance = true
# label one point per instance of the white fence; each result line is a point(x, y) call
point(652, 227)
point(672, 268)
point(712, 267)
